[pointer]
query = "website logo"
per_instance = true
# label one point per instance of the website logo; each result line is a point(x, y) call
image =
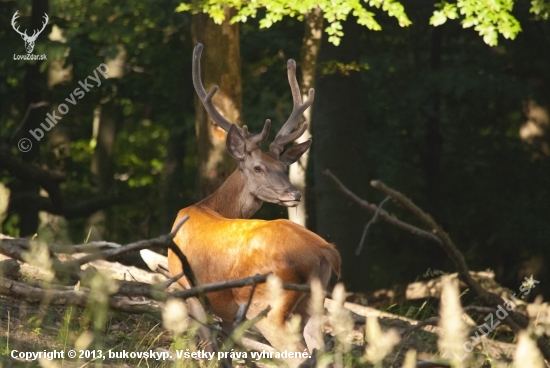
point(29, 40)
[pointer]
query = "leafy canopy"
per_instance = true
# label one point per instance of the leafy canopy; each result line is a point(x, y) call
point(488, 17)
point(334, 11)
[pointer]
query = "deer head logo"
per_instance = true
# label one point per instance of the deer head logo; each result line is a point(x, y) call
point(29, 40)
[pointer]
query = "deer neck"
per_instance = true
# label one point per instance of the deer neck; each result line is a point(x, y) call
point(232, 199)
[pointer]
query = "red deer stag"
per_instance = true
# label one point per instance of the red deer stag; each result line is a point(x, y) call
point(222, 244)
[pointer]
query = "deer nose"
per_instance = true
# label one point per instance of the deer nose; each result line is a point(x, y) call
point(295, 194)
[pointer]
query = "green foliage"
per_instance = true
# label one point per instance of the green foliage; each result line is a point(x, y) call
point(334, 12)
point(333, 67)
point(153, 99)
point(489, 18)
point(541, 8)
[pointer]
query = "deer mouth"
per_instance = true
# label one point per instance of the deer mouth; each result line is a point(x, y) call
point(290, 203)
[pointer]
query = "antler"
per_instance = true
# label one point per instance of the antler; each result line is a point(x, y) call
point(15, 16)
point(285, 136)
point(43, 25)
point(252, 140)
point(206, 98)
point(34, 34)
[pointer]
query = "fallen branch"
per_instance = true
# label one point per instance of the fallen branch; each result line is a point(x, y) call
point(142, 244)
point(70, 269)
point(67, 297)
point(217, 286)
point(515, 320)
point(65, 272)
point(131, 289)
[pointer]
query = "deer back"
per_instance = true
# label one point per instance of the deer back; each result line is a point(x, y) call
point(224, 249)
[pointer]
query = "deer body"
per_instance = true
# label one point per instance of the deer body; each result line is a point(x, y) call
point(220, 249)
point(221, 243)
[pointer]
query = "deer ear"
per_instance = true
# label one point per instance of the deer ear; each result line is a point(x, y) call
point(292, 154)
point(235, 143)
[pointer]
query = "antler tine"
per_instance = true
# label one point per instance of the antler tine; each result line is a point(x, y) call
point(253, 141)
point(279, 142)
point(206, 98)
point(285, 136)
point(44, 23)
point(15, 16)
point(299, 107)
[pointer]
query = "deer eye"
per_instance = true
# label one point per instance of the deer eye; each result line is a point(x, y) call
point(257, 169)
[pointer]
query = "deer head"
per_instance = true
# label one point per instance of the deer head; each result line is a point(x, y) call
point(264, 172)
point(29, 40)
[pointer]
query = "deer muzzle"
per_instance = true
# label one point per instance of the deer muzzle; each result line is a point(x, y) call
point(291, 198)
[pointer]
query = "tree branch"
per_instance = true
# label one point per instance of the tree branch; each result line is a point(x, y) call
point(515, 320)
point(383, 214)
point(67, 297)
point(32, 106)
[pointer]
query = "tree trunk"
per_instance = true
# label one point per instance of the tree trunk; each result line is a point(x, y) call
point(311, 45)
point(172, 183)
point(102, 164)
point(220, 65)
point(340, 147)
point(104, 133)
point(35, 85)
point(102, 159)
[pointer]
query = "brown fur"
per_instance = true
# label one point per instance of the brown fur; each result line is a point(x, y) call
point(221, 249)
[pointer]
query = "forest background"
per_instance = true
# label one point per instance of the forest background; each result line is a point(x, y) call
point(445, 103)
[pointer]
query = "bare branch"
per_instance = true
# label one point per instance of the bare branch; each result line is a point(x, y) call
point(372, 220)
point(162, 240)
point(67, 297)
point(433, 321)
point(515, 320)
point(32, 106)
point(243, 308)
point(383, 214)
point(166, 284)
point(217, 286)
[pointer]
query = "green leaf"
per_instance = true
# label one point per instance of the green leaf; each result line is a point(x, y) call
point(438, 18)
point(540, 8)
point(183, 7)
